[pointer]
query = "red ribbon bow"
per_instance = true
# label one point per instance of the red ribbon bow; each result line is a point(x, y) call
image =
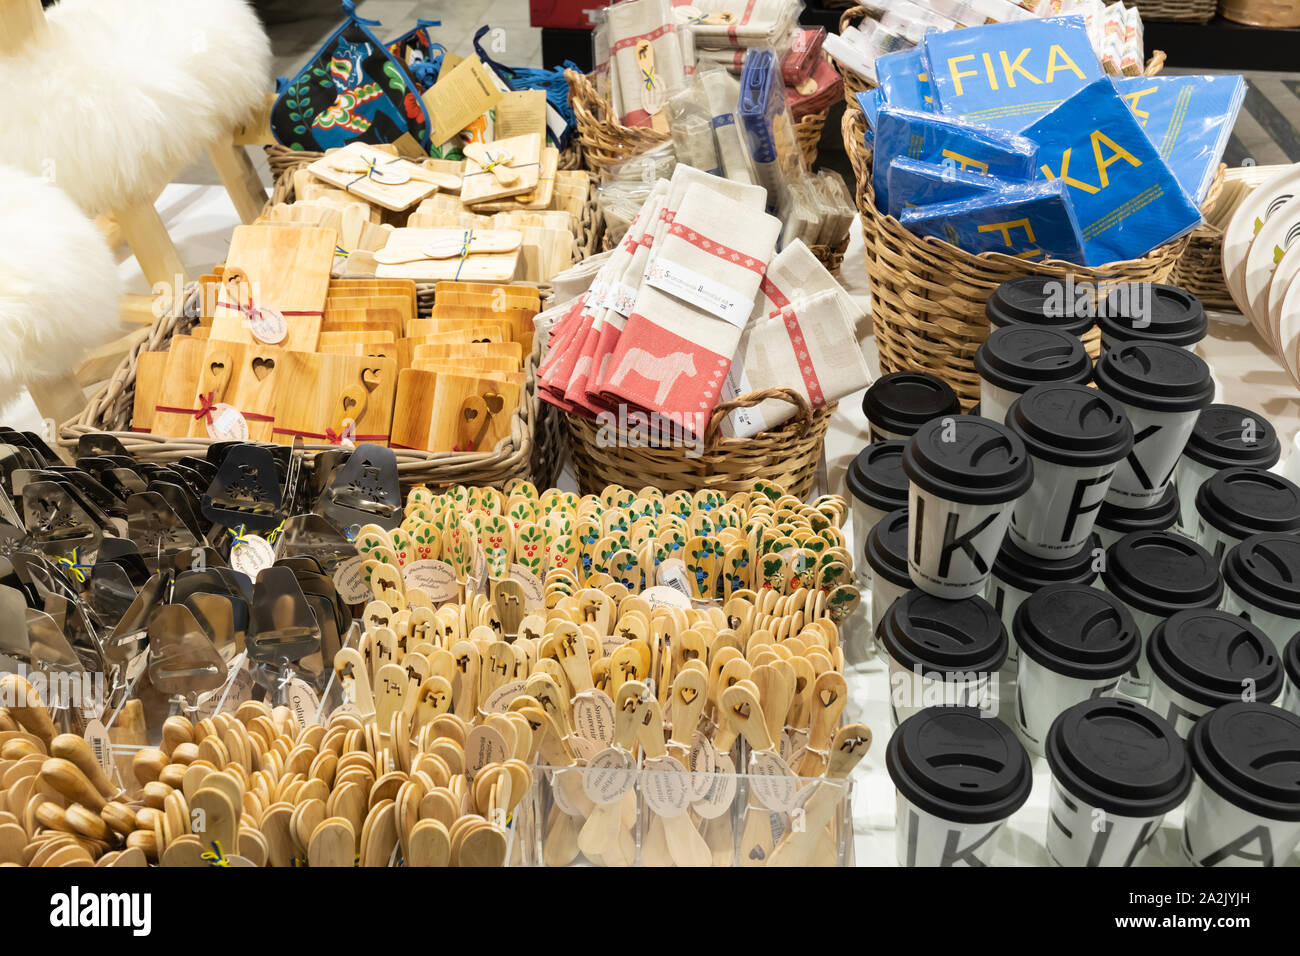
point(206, 405)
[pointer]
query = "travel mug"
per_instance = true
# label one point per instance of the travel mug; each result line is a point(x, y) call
point(942, 654)
point(959, 775)
point(1016, 575)
point(1235, 503)
point(1041, 300)
point(1151, 312)
point(1203, 659)
point(1076, 436)
point(886, 554)
point(877, 486)
point(899, 403)
point(1117, 769)
point(1157, 574)
point(965, 474)
point(1224, 436)
point(1261, 577)
point(1291, 701)
point(1162, 389)
point(1075, 644)
point(1015, 359)
point(1244, 808)
point(1114, 521)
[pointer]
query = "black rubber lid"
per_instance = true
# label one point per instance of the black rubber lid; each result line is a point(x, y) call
point(876, 476)
point(1291, 658)
point(1244, 501)
point(1118, 756)
point(1220, 438)
point(1207, 656)
point(1025, 572)
point(1175, 316)
point(886, 549)
point(901, 402)
point(927, 634)
point(1264, 570)
point(1249, 754)
point(1155, 376)
point(983, 463)
point(1033, 300)
point(1158, 517)
point(1162, 573)
point(1019, 357)
point(1077, 631)
point(1071, 425)
point(959, 764)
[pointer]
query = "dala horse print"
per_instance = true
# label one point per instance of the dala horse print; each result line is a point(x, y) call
point(663, 370)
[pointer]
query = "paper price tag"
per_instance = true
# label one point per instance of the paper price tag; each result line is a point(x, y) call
point(100, 745)
point(252, 555)
point(498, 702)
point(700, 291)
point(611, 773)
point(593, 716)
point(721, 790)
point(436, 578)
point(774, 784)
point(228, 423)
point(267, 325)
point(350, 580)
point(304, 702)
point(534, 590)
point(667, 786)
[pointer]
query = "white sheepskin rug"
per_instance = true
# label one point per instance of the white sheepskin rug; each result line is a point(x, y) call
point(120, 95)
point(59, 292)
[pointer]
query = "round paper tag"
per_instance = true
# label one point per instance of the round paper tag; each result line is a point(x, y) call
point(500, 699)
point(721, 790)
point(303, 702)
point(483, 746)
point(610, 774)
point(583, 749)
point(593, 716)
point(267, 325)
point(100, 745)
point(667, 786)
point(773, 782)
point(227, 424)
point(350, 581)
point(704, 763)
point(806, 86)
point(252, 555)
point(566, 787)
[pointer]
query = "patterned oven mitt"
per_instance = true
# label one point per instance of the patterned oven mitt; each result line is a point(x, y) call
point(352, 91)
point(420, 54)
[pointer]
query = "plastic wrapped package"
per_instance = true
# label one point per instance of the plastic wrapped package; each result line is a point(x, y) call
point(914, 183)
point(761, 23)
point(692, 129)
point(814, 94)
point(803, 54)
point(934, 139)
point(774, 152)
point(903, 81)
point(722, 91)
point(853, 49)
point(840, 202)
point(1031, 221)
point(654, 163)
point(646, 58)
point(689, 57)
point(800, 212)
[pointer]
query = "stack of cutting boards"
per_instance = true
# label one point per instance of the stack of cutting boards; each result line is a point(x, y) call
point(283, 351)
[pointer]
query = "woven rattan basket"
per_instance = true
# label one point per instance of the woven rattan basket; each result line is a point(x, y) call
point(532, 450)
point(1262, 13)
point(789, 455)
point(604, 141)
point(1194, 11)
point(928, 297)
point(1200, 269)
point(853, 84)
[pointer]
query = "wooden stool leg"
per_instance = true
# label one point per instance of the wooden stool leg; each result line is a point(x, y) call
point(60, 399)
point(240, 178)
point(144, 232)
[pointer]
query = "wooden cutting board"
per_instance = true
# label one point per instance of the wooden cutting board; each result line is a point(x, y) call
point(388, 350)
point(511, 350)
point(486, 288)
point(540, 198)
point(363, 337)
point(519, 321)
point(479, 365)
point(179, 387)
point(389, 302)
point(438, 331)
point(364, 320)
point(150, 371)
point(254, 380)
point(470, 414)
point(473, 368)
point(484, 266)
point(395, 197)
point(320, 390)
point(413, 410)
point(369, 288)
point(523, 157)
point(288, 270)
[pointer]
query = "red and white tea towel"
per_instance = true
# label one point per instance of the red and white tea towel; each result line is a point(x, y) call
point(645, 77)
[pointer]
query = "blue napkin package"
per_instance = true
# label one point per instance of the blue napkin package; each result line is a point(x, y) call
point(1008, 75)
point(903, 82)
point(871, 101)
point(1125, 198)
point(1031, 221)
point(765, 120)
point(914, 183)
point(946, 142)
point(1188, 119)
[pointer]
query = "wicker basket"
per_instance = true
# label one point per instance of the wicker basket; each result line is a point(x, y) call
point(1193, 11)
point(789, 455)
point(531, 451)
point(853, 84)
point(1200, 269)
point(604, 141)
point(928, 297)
point(1262, 13)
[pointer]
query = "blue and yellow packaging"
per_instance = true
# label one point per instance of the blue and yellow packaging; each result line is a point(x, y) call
point(1188, 120)
point(1008, 75)
point(1030, 221)
point(903, 82)
point(914, 183)
point(1126, 199)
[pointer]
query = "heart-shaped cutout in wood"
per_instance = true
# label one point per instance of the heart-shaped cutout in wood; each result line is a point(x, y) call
point(262, 367)
point(494, 402)
point(216, 367)
point(371, 378)
point(349, 403)
point(469, 413)
point(828, 697)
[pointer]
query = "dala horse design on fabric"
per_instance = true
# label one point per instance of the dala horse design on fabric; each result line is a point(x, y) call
point(663, 370)
point(357, 103)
